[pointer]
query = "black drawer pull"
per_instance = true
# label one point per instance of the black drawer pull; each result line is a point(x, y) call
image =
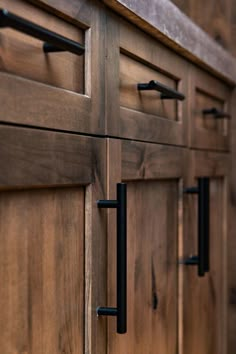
point(166, 92)
point(202, 260)
point(215, 112)
point(53, 41)
point(121, 310)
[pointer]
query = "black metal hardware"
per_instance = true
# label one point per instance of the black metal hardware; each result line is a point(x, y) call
point(193, 260)
point(216, 113)
point(204, 218)
point(202, 260)
point(166, 92)
point(121, 310)
point(54, 41)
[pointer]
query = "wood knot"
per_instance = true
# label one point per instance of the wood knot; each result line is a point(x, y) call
point(154, 301)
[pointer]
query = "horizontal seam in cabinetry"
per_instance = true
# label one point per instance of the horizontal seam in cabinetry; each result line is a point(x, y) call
point(104, 136)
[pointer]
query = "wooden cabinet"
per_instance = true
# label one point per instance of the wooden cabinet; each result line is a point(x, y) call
point(72, 128)
point(209, 112)
point(63, 90)
point(204, 301)
point(51, 234)
point(133, 58)
point(154, 200)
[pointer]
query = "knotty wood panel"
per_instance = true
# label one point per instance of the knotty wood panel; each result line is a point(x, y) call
point(154, 208)
point(167, 23)
point(42, 269)
point(215, 19)
point(206, 92)
point(29, 102)
point(37, 158)
point(150, 161)
point(64, 70)
point(142, 115)
point(232, 240)
point(133, 72)
point(205, 298)
point(33, 158)
point(152, 269)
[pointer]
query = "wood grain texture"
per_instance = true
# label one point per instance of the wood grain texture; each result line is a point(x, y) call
point(204, 298)
point(207, 163)
point(96, 258)
point(162, 121)
point(39, 158)
point(232, 240)
point(64, 70)
point(233, 27)
point(72, 10)
point(142, 161)
point(153, 234)
point(205, 315)
point(215, 19)
point(166, 22)
point(42, 159)
point(133, 72)
point(25, 101)
point(141, 115)
point(152, 269)
point(207, 132)
point(42, 267)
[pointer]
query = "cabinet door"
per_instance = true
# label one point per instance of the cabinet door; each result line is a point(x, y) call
point(153, 174)
point(51, 237)
point(59, 90)
point(204, 298)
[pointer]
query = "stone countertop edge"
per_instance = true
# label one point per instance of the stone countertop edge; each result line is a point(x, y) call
point(164, 21)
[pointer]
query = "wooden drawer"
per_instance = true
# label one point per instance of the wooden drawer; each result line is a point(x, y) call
point(144, 114)
point(54, 90)
point(209, 112)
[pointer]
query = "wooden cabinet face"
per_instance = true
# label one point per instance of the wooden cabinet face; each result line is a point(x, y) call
point(136, 58)
point(59, 89)
point(51, 236)
point(204, 298)
point(153, 175)
point(209, 122)
point(42, 268)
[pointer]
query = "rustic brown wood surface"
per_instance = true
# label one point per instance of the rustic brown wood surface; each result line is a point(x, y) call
point(207, 131)
point(42, 268)
point(37, 158)
point(53, 254)
point(153, 234)
point(133, 72)
point(232, 241)
point(205, 298)
point(142, 115)
point(219, 20)
point(64, 70)
point(68, 93)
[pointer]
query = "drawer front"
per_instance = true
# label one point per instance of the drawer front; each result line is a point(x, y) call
point(57, 85)
point(149, 102)
point(144, 114)
point(209, 112)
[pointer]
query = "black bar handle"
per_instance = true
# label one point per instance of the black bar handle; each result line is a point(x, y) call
point(216, 113)
point(54, 41)
point(166, 92)
point(121, 268)
point(202, 260)
point(204, 219)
